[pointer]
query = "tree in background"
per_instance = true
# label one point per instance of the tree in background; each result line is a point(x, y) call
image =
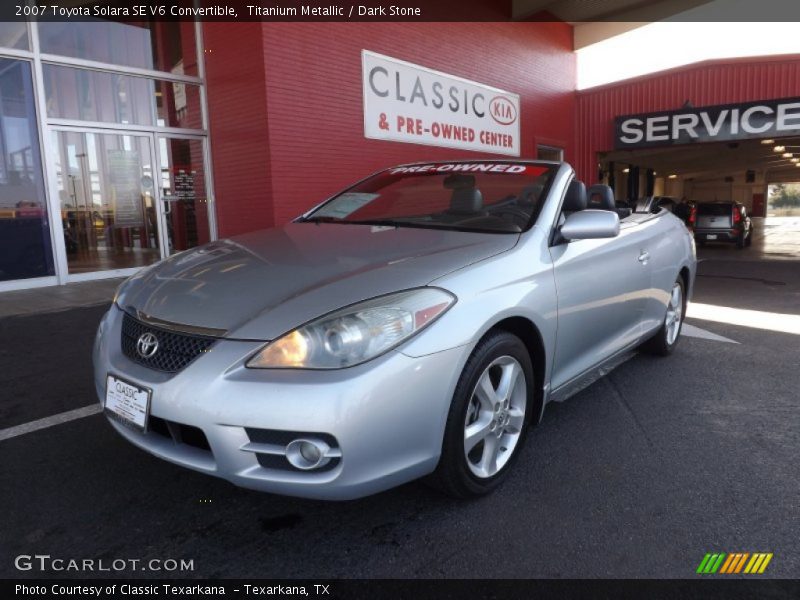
point(784, 195)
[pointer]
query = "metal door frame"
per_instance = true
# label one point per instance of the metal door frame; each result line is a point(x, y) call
point(207, 179)
point(55, 204)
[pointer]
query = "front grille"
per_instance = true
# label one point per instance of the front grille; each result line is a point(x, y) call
point(175, 350)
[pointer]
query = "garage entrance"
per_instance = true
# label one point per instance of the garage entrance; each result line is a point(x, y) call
point(761, 174)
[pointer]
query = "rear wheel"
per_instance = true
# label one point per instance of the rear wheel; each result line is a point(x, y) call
point(749, 240)
point(740, 241)
point(488, 418)
point(666, 338)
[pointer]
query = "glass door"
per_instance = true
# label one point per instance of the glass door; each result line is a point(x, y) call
point(109, 202)
point(184, 192)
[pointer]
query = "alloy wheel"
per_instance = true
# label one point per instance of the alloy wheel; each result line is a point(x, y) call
point(674, 313)
point(495, 417)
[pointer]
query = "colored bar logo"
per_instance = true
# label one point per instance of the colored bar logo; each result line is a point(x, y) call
point(736, 562)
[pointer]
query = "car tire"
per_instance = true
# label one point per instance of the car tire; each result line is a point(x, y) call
point(666, 338)
point(496, 422)
point(749, 241)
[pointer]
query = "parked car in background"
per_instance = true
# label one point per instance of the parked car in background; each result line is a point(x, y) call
point(723, 222)
point(414, 324)
point(686, 211)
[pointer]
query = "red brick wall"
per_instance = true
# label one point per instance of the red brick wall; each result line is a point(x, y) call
point(238, 125)
point(300, 130)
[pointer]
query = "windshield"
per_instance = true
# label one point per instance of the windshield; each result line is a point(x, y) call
point(492, 197)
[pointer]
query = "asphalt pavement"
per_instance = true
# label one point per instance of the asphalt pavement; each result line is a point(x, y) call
point(639, 475)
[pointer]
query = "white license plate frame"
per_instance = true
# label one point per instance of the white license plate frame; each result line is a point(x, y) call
point(711, 236)
point(127, 403)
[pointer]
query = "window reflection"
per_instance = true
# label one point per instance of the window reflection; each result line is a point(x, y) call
point(87, 95)
point(178, 105)
point(25, 248)
point(97, 96)
point(163, 46)
point(14, 35)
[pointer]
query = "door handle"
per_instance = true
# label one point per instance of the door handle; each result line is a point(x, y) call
point(168, 200)
point(644, 257)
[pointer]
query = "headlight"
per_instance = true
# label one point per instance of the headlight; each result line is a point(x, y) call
point(355, 334)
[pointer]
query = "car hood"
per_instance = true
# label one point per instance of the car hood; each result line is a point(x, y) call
point(260, 285)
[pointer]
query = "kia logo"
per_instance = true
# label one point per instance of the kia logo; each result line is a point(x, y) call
point(502, 110)
point(147, 345)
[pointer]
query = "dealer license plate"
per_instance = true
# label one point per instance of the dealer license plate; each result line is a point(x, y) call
point(127, 403)
point(713, 236)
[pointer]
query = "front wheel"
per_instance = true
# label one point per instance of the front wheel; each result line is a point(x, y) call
point(666, 338)
point(488, 418)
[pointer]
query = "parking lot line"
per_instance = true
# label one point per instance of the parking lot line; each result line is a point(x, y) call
point(696, 332)
point(70, 415)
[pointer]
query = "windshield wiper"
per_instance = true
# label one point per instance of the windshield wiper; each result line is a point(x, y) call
point(321, 219)
point(380, 223)
point(327, 219)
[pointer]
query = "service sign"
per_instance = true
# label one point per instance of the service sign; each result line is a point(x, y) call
point(404, 102)
point(763, 119)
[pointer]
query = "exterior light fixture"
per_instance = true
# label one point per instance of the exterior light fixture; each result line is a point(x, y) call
point(672, 176)
point(787, 155)
point(767, 142)
point(779, 148)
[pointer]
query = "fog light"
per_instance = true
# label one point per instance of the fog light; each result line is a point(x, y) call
point(307, 454)
point(310, 452)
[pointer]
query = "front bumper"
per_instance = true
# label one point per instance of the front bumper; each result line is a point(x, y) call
point(386, 416)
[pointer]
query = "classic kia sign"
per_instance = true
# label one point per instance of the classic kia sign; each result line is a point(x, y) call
point(404, 102)
point(763, 119)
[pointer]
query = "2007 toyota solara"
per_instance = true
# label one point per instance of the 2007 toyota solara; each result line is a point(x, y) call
point(415, 324)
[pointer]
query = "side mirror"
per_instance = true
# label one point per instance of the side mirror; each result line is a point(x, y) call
point(590, 224)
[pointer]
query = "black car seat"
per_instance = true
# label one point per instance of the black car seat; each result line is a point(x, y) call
point(466, 201)
point(574, 201)
point(601, 197)
point(575, 198)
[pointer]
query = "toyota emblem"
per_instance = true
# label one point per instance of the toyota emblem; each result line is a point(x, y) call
point(147, 345)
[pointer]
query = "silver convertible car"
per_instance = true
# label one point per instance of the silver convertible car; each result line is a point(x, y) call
point(413, 325)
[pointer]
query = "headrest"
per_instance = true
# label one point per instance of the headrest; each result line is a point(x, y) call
point(466, 201)
point(459, 181)
point(600, 197)
point(575, 198)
